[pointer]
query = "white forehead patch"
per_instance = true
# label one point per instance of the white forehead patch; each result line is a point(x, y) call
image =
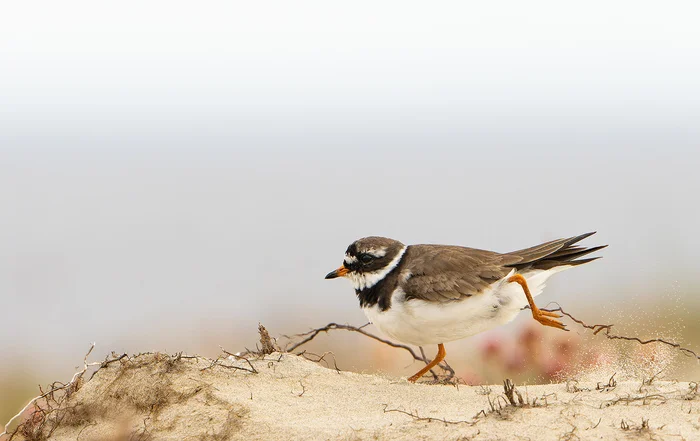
point(350, 259)
point(368, 280)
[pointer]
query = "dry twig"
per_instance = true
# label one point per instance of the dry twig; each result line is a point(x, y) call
point(320, 358)
point(608, 333)
point(227, 355)
point(67, 388)
point(612, 384)
point(303, 389)
point(511, 392)
point(268, 346)
point(645, 399)
point(415, 416)
point(310, 335)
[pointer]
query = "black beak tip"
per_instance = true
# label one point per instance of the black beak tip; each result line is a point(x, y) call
point(331, 275)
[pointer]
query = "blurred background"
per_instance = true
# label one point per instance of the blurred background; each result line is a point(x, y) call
point(173, 173)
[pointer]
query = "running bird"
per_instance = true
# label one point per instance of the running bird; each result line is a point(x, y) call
point(434, 294)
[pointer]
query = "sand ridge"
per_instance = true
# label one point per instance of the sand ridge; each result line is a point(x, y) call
point(284, 396)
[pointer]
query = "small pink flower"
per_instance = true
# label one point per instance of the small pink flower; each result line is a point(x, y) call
point(491, 349)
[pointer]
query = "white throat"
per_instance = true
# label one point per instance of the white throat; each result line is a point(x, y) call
point(368, 280)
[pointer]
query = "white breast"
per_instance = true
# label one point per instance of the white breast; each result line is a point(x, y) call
point(420, 322)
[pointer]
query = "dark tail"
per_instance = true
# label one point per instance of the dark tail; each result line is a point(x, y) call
point(552, 254)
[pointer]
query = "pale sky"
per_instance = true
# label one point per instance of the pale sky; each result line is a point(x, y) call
point(212, 162)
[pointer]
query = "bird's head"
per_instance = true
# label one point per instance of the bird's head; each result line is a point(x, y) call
point(368, 260)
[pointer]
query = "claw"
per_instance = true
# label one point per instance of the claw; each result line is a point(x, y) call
point(546, 321)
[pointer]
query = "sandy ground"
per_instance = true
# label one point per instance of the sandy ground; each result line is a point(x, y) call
point(282, 397)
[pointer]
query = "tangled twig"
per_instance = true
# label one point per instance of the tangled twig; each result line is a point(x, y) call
point(320, 358)
point(645, 399)
point(310, 335)
point(68, 388)
point(608, 334)
point(416, 417)
point(227, 356)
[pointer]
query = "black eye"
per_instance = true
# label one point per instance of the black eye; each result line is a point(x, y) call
point(366, 258)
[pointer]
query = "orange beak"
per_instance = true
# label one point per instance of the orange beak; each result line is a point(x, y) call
point(340, 272)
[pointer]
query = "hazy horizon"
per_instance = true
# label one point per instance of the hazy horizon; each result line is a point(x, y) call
point(171, 175)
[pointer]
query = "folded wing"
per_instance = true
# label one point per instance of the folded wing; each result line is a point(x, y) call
point(446, 273)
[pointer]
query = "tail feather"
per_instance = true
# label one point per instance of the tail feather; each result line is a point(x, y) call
point(552, 254)
point(549, 264)
point(573, 253)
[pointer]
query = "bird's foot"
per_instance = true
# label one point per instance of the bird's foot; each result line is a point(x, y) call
point(414, 378)
point(548, 318)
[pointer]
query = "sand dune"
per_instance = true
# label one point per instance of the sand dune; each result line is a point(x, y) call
point(283, 396)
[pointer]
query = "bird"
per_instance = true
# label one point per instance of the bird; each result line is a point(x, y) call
point(434, 294)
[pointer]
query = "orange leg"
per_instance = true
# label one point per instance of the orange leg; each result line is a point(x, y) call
point(438, 358)
point(545, 317)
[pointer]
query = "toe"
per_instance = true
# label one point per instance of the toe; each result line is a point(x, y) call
point(552, 323)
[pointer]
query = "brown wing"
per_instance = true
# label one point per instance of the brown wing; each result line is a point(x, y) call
point(442, 273)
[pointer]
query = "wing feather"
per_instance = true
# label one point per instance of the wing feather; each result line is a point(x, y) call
point(444, 273)
point(439, 273)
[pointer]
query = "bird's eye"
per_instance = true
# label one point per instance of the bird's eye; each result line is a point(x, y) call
point(366, 258)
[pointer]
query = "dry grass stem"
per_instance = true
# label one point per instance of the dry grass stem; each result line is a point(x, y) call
point(416, 417)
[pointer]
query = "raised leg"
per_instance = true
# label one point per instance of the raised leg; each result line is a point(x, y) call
point(438, 358)
point(545, 317)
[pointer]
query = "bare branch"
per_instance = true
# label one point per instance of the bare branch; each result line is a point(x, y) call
point(320, 358)
point(415, 416)
point(608, 334)
point(310, 335)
